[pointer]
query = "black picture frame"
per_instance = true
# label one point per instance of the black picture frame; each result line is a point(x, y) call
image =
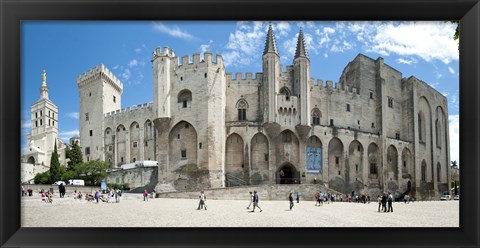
point(13, 12)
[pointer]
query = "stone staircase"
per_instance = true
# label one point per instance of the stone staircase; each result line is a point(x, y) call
point(231, 181)
point(265, 192)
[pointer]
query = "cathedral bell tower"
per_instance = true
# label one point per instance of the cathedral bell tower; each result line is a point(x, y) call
point(271, 76)
point(301, 77)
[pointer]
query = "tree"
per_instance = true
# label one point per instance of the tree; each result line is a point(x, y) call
point(456, 35)
point(92, 172)
point(75, 156)
point(42, 178)
point(54, 166)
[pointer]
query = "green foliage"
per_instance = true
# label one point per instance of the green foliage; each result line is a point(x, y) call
point(92, 172)
point(75, 156)
point(67, 174)
point(54, 166)
point(42, 178)
point(456, 35)
point(118, 185)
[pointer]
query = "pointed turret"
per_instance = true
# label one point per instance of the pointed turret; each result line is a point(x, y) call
point(301, 50)
point(270, 45)
point(44, 88)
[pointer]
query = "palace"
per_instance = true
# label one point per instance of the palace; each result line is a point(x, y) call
point(373, 131)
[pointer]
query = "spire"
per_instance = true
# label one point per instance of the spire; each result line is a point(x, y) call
point(301, 51)
point(44, 88)
point(270, 45)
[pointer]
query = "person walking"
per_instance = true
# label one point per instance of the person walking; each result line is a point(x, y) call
point(251, 200)
point(384, 202)
point(97, 195)
point(298, 197)
point(203, 199)
point(145, 195)
point(390, 201)
point(255, 202)
point(290, 198)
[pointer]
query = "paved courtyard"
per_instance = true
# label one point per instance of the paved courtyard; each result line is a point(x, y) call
point(132, 211)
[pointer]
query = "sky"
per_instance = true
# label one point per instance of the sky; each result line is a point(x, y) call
point(65, 50)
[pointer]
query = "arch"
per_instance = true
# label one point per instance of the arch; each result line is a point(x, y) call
point(407, 163)
point(287, 148)
point(259, 157)
point(148, 139)
point(134, 145)
point(374, 161)
point(182, 145)
point(286, 92)
point(316, 115)
point(184, 96)
point(421, 127)
point(121, 137)
point(287, 174)
point(440, 123)
point(335, 158)
point(109, 144)
point(31, 160)
point(355, 161)
point(392, 163)
point(234, 157)
point(314, 155)
point(423, 171)
point(242, 106)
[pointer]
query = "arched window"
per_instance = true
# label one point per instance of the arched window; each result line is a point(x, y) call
point(184, 97)
point(285, 91)
point(242, 107)
point(439, 171)
point(437, 133)
point(421, 127)
point(315, 117)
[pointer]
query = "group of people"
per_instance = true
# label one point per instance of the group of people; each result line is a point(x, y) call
point(383, 200)
point(28, 192)
point(47, 196)
point(254, 199)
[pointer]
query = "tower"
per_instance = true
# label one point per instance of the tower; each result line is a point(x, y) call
point(271, 76)
point(163, 64)
point(100, 93)
point(301, 76)
point(44, 120)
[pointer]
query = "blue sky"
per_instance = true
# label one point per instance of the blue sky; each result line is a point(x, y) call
point(67, 49)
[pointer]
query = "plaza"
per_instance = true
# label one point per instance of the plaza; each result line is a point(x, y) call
point(132, 211)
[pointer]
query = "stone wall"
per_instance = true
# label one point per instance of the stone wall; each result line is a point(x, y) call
point(138, 177)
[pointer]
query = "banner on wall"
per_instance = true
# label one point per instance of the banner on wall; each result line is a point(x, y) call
point(314, 160)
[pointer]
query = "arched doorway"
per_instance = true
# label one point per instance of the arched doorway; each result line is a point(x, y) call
point(288, 174)
point(31, 160)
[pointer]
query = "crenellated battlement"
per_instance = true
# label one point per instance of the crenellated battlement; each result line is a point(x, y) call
point(130, 109)
point(334, 88)
point(99, 72)
point(194, 60)
point(243, 77)
point(166, 52)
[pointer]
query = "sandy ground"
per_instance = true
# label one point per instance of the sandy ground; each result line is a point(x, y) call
point(132, 211)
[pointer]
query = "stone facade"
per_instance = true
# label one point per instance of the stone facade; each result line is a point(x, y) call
point(42, 139)
point(372, 131)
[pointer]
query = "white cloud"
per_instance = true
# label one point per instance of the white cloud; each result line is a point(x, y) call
point(140, 49)
point(116, 67)
point(68, 134)
point(26, 124)
point(132, 63)
point(451, 70)
point(454, 129)
point(205, 47)
point(72, 115)
point(427, 40)
point(172, 31)
point(126, 74)
point(245, 44)
point(408, 61)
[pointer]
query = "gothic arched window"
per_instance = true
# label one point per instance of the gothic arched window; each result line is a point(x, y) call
point(242, 107)
point(285, 91)
point(316, 117)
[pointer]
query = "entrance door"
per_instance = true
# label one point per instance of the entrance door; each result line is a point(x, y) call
point(287, 174)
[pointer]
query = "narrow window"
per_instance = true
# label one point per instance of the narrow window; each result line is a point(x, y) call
point(331, 122)
point(178, 136)
point(200, 145)
point(339, 173)
point(49, 122)
point(146, 143)
point(138, 126)
point(181, 78)
point(337, 159)
point(36, 115)
point(53, 115)
point(184, 104)
point(424, 172)
point(135, 144)
point(184, 154)
point(373, 168)
point(371, 95)
point(242, 114)
point(287, 137)
point(91, 132)
point(87, 150)
point(40, 113)
point(397, 135)
point(40, 122)
point(121, 159)
point(373, 125)
point(356, 167)
point(205, 75)
point(36, 123)
point(358, 148)
point(110, 148)
point(266, 156)
point(358, 122)
point(134, 159)
point(53, 123)
point(390, 102)
point(89, 93)
point(348, 107)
